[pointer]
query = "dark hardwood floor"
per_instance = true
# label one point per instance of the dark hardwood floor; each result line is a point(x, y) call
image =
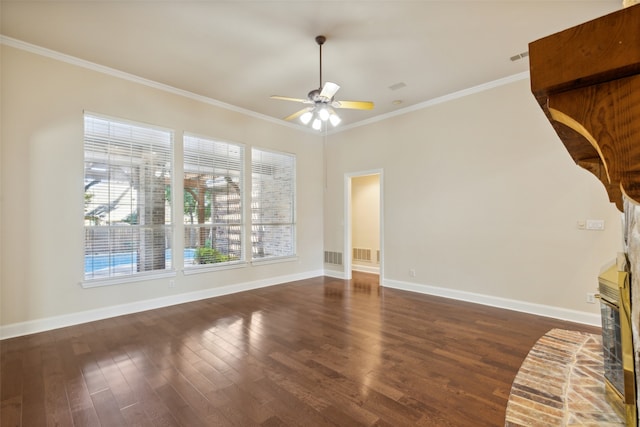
point(318, 352)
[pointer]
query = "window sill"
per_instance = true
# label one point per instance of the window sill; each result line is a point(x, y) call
point(275, 260)
point(208, 268)
point(96, 283)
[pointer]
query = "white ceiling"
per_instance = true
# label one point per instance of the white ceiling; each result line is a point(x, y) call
point(241, 52)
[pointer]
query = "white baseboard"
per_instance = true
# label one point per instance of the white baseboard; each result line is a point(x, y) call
point(365, 268)
point(335, 274)
point(341, 274)
point(509, 304)
point(55, 322)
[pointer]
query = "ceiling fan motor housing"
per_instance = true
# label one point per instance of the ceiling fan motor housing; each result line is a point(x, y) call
point(314, 96)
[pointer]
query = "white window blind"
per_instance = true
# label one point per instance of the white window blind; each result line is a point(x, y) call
point(127, 185)
point(213, 189)
point(273, 204)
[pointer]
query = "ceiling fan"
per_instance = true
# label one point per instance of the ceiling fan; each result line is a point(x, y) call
point(321, 102)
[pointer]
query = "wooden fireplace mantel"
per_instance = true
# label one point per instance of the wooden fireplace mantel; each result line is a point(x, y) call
point(587, 81)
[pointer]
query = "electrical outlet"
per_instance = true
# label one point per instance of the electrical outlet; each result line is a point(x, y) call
point(412, 272)
point(172, 284)
point(591, 297)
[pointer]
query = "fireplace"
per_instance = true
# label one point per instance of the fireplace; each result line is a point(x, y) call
point(617, 343)
point(586, 79)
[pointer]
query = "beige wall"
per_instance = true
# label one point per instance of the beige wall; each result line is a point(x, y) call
point(480, 197)
point(42, 191)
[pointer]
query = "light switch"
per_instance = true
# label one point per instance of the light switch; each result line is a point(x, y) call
point(595, 224)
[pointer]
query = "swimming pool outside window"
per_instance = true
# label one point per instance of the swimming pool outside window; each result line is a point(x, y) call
point(127, 209)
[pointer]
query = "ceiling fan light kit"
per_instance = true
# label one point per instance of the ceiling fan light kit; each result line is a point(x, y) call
point(334, 119)
point(306, 117)
point(322, 102)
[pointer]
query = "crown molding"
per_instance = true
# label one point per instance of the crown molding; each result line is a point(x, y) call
point(439, 100)
point(48, 53)
point(38, 50)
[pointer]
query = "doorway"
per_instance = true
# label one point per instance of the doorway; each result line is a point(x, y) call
point(364, 223)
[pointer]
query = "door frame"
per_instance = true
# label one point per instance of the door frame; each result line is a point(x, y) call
point(347, 218)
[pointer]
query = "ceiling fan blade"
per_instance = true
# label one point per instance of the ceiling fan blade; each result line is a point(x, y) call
point(354, 105)
point(298, 113)
point(329, 90)
point(286, 98)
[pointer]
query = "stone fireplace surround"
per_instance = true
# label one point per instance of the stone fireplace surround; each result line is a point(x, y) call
point(631, 232)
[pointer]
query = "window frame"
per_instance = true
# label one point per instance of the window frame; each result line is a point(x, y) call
point(262, 174)
point(98, 150)
point(292, 194)
point(241, 224)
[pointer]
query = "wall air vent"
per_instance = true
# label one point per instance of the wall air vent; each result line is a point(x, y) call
point(360, 254)
point(519, 56)
point(333, 257)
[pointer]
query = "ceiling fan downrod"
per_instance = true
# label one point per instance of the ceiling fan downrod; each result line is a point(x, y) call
point(320, 40)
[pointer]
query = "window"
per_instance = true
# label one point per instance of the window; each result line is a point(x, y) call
point(273, 230)
point(213, 189)
point(127, 186)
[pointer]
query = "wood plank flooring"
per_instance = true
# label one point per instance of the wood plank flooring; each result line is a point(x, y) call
point(317, 352)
